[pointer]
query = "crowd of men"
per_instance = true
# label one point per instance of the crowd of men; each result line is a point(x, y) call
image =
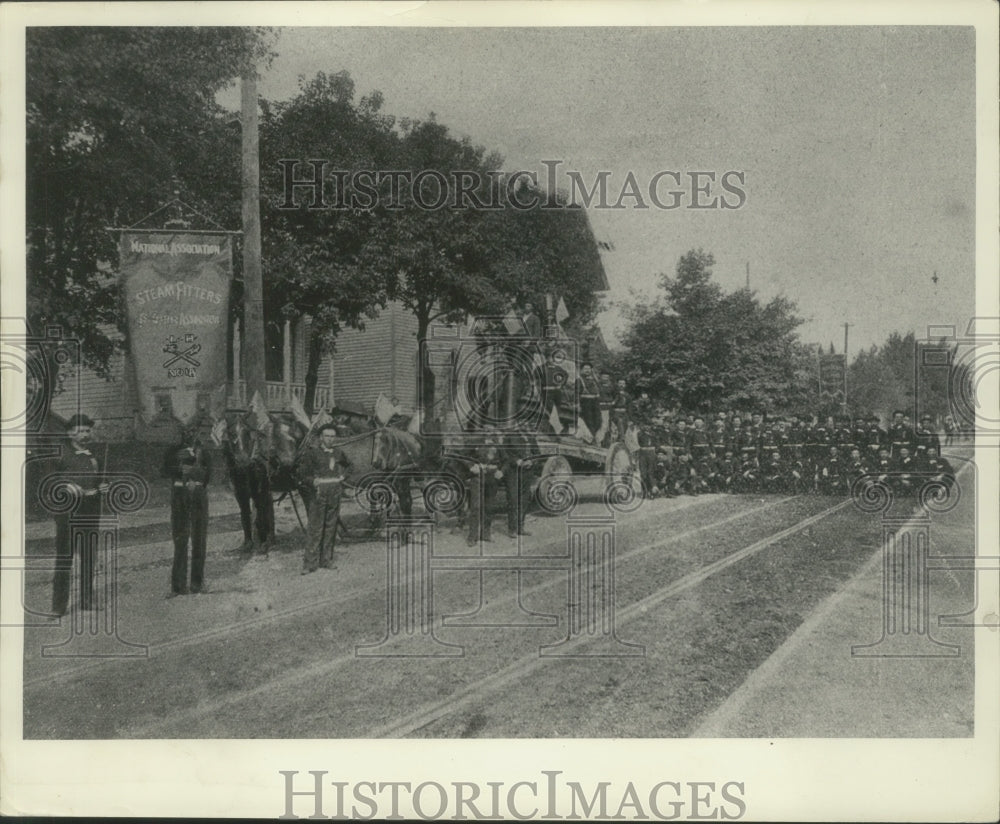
point(675, 453)
point(729, 452)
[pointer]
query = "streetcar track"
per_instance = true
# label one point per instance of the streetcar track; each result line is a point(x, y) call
point(67, 673)
point(524, 665)
point(237, 627)
point(516, 671)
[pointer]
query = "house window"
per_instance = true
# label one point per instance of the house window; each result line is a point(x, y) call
point(274, 356)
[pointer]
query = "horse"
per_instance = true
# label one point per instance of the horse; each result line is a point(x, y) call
point(261, 463)
point(397, 453)
point(246, 452)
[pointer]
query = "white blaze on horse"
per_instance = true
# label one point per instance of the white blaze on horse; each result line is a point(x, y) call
point(261, 461)
point(245, 452)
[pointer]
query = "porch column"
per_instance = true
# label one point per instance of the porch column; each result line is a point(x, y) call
point(286, 372)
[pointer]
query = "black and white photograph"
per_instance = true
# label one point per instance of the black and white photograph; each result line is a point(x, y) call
point(500, 410)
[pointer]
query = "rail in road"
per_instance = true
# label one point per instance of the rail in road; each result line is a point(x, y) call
point(704, 537)
point(301, 678)
point(401, 727)
point(128, 569)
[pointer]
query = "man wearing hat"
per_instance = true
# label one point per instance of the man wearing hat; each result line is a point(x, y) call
point(189, 467)
point(877, 436)
point(554, 379)
point(83, 472)
point(860, 439)
point(589, 389)
point(844, 436)
point(900, 434)
point(324, 467)
point(926, 437)
point(620, 409)
point(532, 323)
point(517, 450)
point(483, 473)
point(606, 401)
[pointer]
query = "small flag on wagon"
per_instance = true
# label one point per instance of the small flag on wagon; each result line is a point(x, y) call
point(298, 411)
point(561, 311)
point(554, 421)
point(321, 418)
point(514, 325)
point(384, 409)
point(219, 432)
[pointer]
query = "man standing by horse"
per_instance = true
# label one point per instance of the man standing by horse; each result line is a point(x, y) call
point(323, 467)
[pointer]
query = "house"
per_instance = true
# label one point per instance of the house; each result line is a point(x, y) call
point(380, 359)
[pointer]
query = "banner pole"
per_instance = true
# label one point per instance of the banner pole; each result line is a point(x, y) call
point(253, 297)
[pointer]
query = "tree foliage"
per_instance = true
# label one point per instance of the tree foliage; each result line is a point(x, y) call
point(906, 373)
point(117, 120)
point(702, 347)
point(342, 264)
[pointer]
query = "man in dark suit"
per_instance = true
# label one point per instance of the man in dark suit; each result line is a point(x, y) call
point(900, 434)
point(481, 485)
point(83, 472)
point(620, 409)
point(324, 467)
point(926, 438)
point(188, 465)
point(938, 469)
point(516, 452)
point(606, 402)
point(906, 471)
point(831, 473)
point(589, 389)
point(531, 321)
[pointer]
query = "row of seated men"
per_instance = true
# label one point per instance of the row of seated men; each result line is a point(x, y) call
point(780, 455)
point(716, 434)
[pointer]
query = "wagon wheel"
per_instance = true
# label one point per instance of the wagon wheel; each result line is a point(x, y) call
point(555, 469)
point(618, 465)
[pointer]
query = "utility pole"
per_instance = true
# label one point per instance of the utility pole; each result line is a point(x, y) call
point(846, 327)
point(748, 275)
point(253, 288)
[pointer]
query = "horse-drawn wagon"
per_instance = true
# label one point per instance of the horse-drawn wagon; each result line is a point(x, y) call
point(569, 456)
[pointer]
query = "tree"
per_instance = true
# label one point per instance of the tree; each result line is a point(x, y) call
point(904, 373)
point(479, 255)
point(342, 263)
point(118, 119)
point(701, 347)
point(313, 256)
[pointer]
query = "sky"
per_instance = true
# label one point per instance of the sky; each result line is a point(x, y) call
point(857, 145)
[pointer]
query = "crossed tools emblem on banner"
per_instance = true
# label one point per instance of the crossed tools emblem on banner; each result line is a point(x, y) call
point(188, 354)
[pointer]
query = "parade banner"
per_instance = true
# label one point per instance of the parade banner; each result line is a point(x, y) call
point(177, 297)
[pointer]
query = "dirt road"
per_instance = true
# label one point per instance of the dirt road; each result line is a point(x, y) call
point(706, 591)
